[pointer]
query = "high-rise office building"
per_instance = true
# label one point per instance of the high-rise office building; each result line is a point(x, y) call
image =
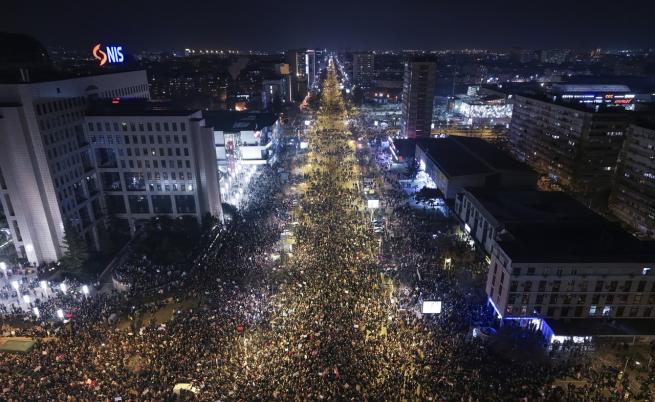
point(297, 61)
point(310, 63)
point(153, 162)
point(418, 93)
point(573, 144)
point(363, 68)
point(47, 173)
point(633, 193)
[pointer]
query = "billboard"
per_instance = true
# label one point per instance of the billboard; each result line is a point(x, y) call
point(431, 307)
point(373, 204)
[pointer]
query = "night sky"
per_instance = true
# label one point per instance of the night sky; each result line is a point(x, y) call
point(352, 24)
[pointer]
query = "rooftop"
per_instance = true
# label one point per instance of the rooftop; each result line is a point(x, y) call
point(527, 205)
point(583, 107)
point(480, 99)
point(135, 108)
point(646, 122)
point(568, 88)
point(464, 156)
point(406, 147)
point(593, 241)
point(232, 121)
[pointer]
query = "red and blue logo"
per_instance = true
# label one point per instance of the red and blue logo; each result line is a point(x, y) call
point(110, 54)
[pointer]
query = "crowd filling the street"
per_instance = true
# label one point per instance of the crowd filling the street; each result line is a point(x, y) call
point(332, 313)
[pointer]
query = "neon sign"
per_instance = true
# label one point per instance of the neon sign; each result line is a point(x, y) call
point(111, 54)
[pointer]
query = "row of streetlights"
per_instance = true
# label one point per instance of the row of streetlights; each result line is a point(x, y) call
point(44, 286)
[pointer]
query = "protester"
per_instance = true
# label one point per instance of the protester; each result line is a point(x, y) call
point(322, 323)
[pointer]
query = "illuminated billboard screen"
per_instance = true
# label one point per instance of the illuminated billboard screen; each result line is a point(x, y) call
point(431, 307)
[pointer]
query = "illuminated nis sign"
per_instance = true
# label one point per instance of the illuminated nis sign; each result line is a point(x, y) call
point(111, 54)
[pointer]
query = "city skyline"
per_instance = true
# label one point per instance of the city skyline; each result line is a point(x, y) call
point(364, 201)
point(361, 25)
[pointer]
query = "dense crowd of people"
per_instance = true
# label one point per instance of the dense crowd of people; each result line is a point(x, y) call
point(141, 274)
point(323, 323)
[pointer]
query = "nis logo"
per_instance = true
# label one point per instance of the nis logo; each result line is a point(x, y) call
point(111, 54)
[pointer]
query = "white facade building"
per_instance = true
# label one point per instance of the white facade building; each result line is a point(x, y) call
point(243, 140)
point(553, 262)
point(48, 178)
point(246, 137)
point(574, 281)
point(154, 162)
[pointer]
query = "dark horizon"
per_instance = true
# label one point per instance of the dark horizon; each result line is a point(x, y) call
point(383, 24)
